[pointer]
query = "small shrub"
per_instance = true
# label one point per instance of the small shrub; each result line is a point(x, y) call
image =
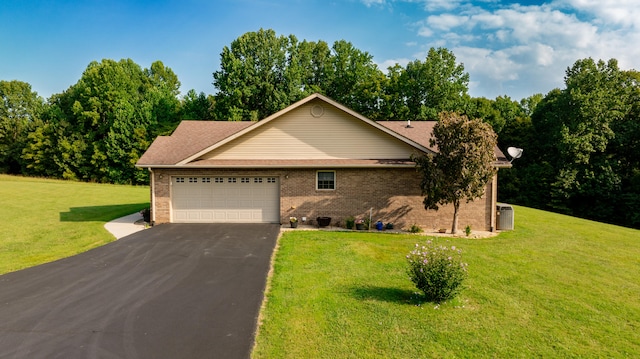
point(415, 229)
point(146, 215)
point(467, 230)
point(350, 222)
point(437, 271)
point(389, 225)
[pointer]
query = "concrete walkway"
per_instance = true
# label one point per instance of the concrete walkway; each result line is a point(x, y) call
point(126, 225)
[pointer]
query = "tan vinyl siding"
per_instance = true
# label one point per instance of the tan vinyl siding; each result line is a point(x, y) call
point(299, 135)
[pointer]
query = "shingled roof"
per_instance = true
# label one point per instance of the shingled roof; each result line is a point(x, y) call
point(420, 132)
point(191, 137)
point(188, 138)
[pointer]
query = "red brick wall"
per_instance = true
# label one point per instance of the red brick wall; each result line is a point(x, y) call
point(392, 194)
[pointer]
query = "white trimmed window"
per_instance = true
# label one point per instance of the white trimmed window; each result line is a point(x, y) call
point(326, 180)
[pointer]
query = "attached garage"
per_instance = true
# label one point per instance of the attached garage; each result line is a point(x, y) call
point(211, 199)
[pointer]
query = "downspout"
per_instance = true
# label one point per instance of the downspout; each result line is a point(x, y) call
point(153, 196)
point(494, 201)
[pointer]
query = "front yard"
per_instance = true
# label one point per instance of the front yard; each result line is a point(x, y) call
point(555, 287)
point(45, 220)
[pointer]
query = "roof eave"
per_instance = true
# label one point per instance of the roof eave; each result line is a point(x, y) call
point(275, 166)
point(498, 165)
point(502, 165)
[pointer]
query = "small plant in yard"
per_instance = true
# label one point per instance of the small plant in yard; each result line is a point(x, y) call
point(467, 230)
point(436, 270)
point(350, 222)
point(146, 215)
point(415, 229)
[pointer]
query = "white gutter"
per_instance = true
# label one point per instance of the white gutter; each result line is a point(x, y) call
point(278, 166)
point(153, 195)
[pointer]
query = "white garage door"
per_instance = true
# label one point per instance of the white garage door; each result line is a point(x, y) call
point(225, 199)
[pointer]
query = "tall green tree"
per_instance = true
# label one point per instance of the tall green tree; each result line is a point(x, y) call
point(434, 85)
point(20, 110)
point(262, 73)
point(486, 110)
point(577, 153)
point(392, 97)
point(354, 79)
point(519, 183)
point(197, 106)
point(463, 165)
point(313, 59)
point(258, 76)
point(101, 125)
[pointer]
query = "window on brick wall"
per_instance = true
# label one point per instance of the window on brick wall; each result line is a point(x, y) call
point(326, 180)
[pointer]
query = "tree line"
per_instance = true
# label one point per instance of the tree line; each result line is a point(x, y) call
point(581, 142)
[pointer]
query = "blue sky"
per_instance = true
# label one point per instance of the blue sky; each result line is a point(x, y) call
point(513, 48)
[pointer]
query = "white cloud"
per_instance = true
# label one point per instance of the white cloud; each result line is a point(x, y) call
point(425, 32)
point(369, 3)
point(522, 50)
point(391, 62)
point(446, 22)
point(625, 13)
point(436, 5)
point(526, 49)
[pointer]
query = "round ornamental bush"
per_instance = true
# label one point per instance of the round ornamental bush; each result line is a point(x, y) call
point(436, 270)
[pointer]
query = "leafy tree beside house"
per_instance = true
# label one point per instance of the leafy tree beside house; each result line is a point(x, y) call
point(463, 165)
point(432, 86)
point(98, 128)
point(262, 73)
point(20, 110)
point(197, 106)
point(582, 140)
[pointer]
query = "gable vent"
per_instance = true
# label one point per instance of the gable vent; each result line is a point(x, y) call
point(317, 111)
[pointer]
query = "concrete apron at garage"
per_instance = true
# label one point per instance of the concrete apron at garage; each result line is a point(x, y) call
point(172, 291)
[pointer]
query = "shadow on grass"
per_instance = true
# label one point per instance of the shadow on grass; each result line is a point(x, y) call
point(386, 294)
point(100, 213)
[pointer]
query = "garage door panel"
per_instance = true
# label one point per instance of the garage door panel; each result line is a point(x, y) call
point(219, 216)
point(225, 199)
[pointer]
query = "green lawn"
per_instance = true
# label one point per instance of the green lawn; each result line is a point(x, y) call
point(557, 286)
point(44, 220)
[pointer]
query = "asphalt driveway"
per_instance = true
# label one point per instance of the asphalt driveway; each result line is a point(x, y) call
point(172, 291)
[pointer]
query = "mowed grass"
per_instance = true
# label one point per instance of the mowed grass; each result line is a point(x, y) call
point(556, 286)
point(44, 220)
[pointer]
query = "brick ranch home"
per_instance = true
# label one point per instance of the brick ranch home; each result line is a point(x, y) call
point(313, 158)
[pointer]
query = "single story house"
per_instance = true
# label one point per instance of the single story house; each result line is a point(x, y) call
point(313, 158)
